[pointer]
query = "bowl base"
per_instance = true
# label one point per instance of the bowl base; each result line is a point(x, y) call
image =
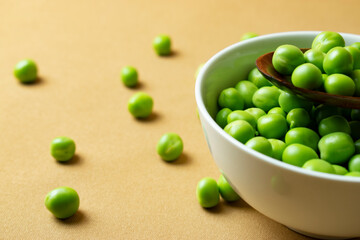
point(318, 236)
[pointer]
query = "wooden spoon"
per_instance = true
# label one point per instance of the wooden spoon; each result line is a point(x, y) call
point(265, 66)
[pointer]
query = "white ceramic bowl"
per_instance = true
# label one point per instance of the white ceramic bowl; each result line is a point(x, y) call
point(312, 203)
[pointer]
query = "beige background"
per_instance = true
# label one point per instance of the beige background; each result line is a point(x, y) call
point(126, 190)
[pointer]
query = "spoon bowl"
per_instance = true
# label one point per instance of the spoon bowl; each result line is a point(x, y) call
point(265, 66)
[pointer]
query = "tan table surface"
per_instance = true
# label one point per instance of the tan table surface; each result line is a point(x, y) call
point(126, 190)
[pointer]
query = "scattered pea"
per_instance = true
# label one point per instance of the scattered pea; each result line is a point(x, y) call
point(207, 192)
point(129, 76)
point(226, 191)
point(63, 202)
point(140, 105)
point(26, 71)
point(170, 146)
point(63, 148)
point(162, 45)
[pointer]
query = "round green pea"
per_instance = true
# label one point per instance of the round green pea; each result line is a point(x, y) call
point(248, 35)
point(277, 110)
point(261, 145)
point(162, 45)
point(340, 170)
point(289, 101)
point(278, 147)
point(332, 124)
point(140, 105)
point(26, 71)
point(355, 76)
point(272, 126)
point(221, 117)
point(256, 112)
point(246, 90)
point(242, 115)
point(339, 84)
point(327, 40)
point(353, 174)
point(307, 76)
point(355, 53)
point(297, 154)
point(319, 165)
point(62, 148)
point(266, 98)
point(231, 98)
point(170, 146)
point(356, 45)
point(304, 136)
point(316, 57)
point(298, 117)
point(241, 130)
point(226, 191)
point(286, 58)
point(338, 60)
point(63, 202)
point(258, 79)
point(129, 76)
point(207, 192)
point(354, 163)
point(336, 148)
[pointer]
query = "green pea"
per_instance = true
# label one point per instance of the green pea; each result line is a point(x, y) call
point(298, 117)
point(248, 35)
point(261, 145)
point(325, 41)
point(26, 71)
point(319, 165)
point(241, 130)
point(355, 53)
point(170, 146)
point(355, 76)
point(304, 136)
point(62, 149)
point(340, 170)
point(140, 105)
point(266, 98)
point(354, 163)
point(289, 101)
point(332, 124)
point(272, 126)
point(221, 117)
point(129, 76)
point(278, 147)
point(277, 110)
point(242, 115)
point(357, 146)
point(258, 79)
point(356, 45)
point(207, 192)
point(355, 130)
point(231, 98)
point(286, 58)
point(338, 60)
point(63, 202)
point(339, 84)
point(297, 154)
point(162, 45)
point(307, 76)
point(256, 112)
point(316, 57)
point(336, 148)
point(323, 111)
point(246, 90)
point(353, 174)
point(226, 191)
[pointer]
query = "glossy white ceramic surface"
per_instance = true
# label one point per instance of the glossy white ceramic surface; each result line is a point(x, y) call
point(313, 203)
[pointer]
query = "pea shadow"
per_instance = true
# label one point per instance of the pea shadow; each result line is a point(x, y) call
point(172, 54)
point(153, 117)
point(215, 210)
point(238, 204)
point(38, 81)
point(78, 218)
point(76, 160)
point(183, 159)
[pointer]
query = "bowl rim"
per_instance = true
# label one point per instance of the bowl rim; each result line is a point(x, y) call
point(269, 160)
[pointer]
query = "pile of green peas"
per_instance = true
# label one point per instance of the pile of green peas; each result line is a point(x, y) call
point(328, 66)
point(291, 129)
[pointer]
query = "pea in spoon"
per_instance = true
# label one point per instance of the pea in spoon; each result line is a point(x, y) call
point(265, 66)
